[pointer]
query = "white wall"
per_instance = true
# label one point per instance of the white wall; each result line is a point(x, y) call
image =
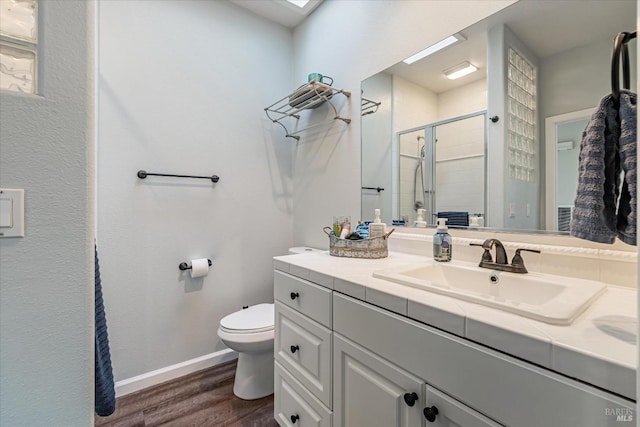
point(466, 99)
point(183, 85)
point(46, 279)
point(577, 79)
point(413, 105)
point(352, 40)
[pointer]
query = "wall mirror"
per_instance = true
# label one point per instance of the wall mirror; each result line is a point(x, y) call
point(497, 147)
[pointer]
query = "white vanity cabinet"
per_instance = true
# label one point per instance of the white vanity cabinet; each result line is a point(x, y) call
point(476, 382)
point(364, 366)
point(302, 351)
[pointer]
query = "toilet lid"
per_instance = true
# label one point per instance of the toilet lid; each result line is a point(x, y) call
point(258, 316)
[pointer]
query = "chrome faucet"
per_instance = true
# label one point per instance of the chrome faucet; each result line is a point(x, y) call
point(501, 263)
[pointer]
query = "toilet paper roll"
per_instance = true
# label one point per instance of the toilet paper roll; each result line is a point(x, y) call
point(199, 267)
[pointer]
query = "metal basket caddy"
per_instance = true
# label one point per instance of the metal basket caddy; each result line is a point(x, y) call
point(371, 247)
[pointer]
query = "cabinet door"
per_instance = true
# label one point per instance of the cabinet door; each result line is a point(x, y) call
point(442, 410)
point(369, 391)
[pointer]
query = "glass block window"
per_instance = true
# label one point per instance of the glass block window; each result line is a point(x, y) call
point(521, 98)
point(18, 45)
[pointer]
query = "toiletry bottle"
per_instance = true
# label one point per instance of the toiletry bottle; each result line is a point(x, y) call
point(420, 222)
point(377, 228)
point(442, 242)
point(346, 228)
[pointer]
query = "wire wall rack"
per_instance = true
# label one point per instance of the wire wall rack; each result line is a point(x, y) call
point(307, 97)
point(368, 106)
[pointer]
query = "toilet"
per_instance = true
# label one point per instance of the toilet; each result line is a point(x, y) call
point(250, 332)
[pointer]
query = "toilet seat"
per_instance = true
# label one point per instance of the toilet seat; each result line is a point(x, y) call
point(255, 319)
point(246, 331)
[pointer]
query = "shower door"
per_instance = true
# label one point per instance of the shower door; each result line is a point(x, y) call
point(442, 168)
point(415, 173)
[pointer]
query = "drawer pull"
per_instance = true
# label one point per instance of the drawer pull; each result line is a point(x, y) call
point(430, 413)
point(294, 295)
point(294, 348)
point(411, 398)
point(295, 418)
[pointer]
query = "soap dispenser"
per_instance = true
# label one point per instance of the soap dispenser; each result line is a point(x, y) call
point(377, 228)
point(420, 222)
point(442, 242)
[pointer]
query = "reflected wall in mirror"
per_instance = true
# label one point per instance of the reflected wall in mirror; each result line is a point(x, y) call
point(477, 146)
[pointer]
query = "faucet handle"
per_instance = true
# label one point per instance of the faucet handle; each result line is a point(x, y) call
point(517, 260)
point(486, 256)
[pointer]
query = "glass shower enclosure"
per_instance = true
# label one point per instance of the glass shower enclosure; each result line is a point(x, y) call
point(442, 168)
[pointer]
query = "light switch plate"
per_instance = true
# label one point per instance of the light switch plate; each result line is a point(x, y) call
point(6, 213)
point(11, 212)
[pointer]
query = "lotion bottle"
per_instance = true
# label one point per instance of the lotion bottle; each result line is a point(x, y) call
point(377, 228)
point(442, 242)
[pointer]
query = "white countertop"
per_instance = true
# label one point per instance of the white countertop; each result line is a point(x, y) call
point(599, 348)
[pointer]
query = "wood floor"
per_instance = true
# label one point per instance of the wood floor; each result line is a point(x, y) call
point(204, 398)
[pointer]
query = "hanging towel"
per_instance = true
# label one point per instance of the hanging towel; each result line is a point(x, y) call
point(600, 164)
point(627, 208)
point(105, 395)
point(455, 218)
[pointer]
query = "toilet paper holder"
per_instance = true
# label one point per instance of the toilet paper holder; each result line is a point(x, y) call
point(184, 266)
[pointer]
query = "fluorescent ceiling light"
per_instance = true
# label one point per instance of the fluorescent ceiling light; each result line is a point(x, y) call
point(460, 70)
point(299, 3)
point(434, 48)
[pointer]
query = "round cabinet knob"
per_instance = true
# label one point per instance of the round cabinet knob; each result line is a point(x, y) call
point(294, 295)
point(295, 418)
point(294, 348)
point(411, 398)
point(430, 413)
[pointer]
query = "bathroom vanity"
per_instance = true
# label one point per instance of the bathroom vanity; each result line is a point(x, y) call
point(354, 350)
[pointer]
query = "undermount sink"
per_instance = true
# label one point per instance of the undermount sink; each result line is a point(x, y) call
point(547, 298)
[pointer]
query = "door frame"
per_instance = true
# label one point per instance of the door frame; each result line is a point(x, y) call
point(551, 165)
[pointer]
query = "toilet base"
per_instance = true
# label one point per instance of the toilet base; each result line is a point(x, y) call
point(254, 375)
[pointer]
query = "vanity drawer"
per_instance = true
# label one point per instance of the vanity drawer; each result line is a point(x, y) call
point(312, 300)
point(292, 400)
point(304, 348)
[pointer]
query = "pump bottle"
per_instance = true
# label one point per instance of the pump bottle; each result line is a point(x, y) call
point(420, 222)
point(442, 242)
point(377, 228)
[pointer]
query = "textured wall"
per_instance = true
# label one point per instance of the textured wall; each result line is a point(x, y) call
point(46, 278)
point(182, 88)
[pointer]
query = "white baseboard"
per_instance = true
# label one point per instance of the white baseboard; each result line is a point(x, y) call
point(139, 382)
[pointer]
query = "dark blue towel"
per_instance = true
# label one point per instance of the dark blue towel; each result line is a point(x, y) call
point(105, 395)
point(455, 218)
